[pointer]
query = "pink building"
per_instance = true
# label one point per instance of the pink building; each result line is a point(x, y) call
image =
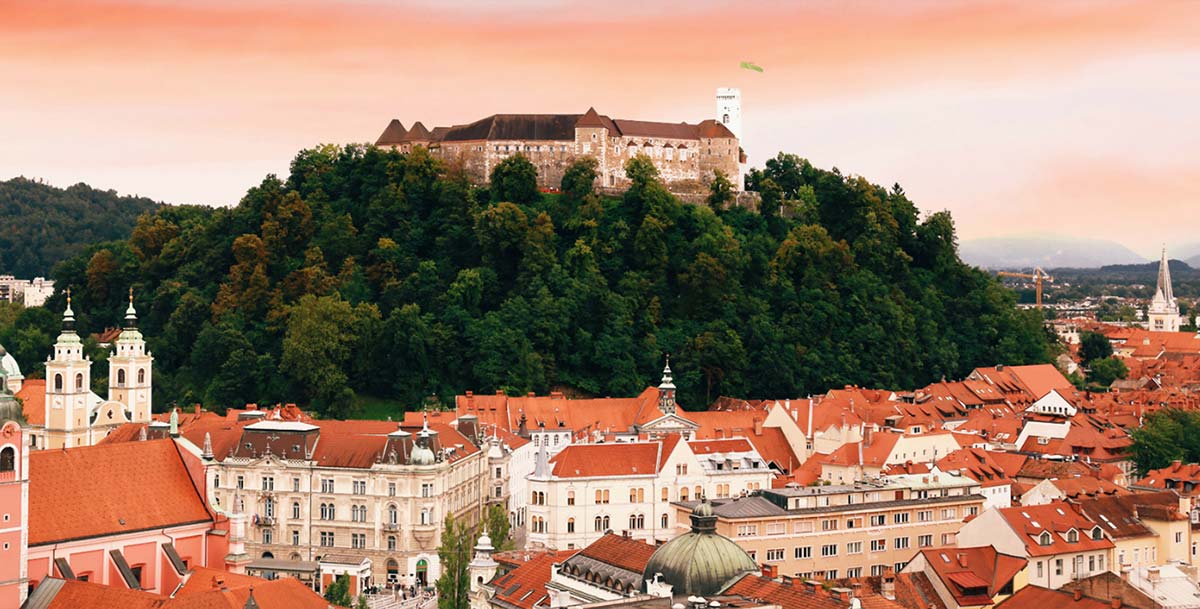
point(14, 505)
point(126, 515)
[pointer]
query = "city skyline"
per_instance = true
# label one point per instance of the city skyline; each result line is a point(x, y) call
point(1019, 119)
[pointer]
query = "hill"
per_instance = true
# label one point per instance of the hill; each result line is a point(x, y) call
point(375, 273)
point(41, 224)
point(1046, 252)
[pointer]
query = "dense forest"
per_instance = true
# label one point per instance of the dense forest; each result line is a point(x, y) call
point(371, 273)
point(41, 225)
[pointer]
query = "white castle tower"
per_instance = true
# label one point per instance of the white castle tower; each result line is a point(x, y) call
point(1163, 315)
point(729, 109)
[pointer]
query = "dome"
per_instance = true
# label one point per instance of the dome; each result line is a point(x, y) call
point(8, 365)
point(700, 562)
point(421, 456)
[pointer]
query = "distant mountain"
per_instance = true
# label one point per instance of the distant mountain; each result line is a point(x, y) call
point(42, 224)
point(1046, 252)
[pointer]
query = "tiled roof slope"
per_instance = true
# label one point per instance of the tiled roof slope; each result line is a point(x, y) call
point(797, 596)
point(621, 552)
point(1037, 597)
point(616, 459)
point(525, 586)
point(91, 491)
point(33, 401)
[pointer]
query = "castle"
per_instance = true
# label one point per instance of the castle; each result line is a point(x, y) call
point(62, 411)
point(686, 155)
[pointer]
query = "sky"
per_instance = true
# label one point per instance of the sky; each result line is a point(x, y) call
point(1066, 118)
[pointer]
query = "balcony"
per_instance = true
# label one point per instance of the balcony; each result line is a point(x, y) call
point(424, 533)
point(264, 521)
point(391, 527)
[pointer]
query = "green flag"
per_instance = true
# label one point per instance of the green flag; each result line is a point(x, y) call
point(751, 66)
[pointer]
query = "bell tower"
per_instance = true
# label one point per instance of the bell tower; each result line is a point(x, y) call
point(666, 390)
point(129, 369)
point(68, 385)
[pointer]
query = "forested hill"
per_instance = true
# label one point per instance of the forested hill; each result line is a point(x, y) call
point(41, 224)
point(368, 272)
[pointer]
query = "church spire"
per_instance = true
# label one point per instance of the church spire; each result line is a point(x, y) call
point(1163, 314)
point(1164, 278)
point(666, 390)
point(130, 313)
point(68, 316)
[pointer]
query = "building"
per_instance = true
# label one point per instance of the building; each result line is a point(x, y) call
point(1060, 543)
point(1147, 529)
point(14, 504)
point(965, 577)
point(587, 490)
point(351, 489)
point(62, 411)
point(1163, 314)
point(848, 531)
point(686, 155)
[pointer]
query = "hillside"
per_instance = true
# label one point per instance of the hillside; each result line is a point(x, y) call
point(1046, 252)
point(41, 224)
point(375, 273)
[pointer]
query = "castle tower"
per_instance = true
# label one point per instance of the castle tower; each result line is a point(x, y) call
point(666, 390)
point(482, 568)
point(729, 109)
point(68, 387)
point(1163, 315)
point(14, 504)
point(129, 373)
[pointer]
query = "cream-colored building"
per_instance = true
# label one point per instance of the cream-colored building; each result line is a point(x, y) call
point(367, 489)
point(588, 489)
point(848, 531)
point(1147, 529)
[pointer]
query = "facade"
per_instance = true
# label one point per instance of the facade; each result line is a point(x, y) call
point(683, 153)
point(357, 489)
point(14, 505)
point(1147, 529)
point(1163, 314)
point(587, 490)
point(1060, 543)
point(62, 410)
point(848, 531)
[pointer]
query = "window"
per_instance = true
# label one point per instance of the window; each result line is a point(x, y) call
point(1091, 564)
point(925, 516)
point(602, 523)
point(601, 496)
point(327, 485)
point(973, 510)
point(141, 376)
point(295, 485)
point(949, 513)
point(266, 536)
point(636, 495)
point(878, 545)
point(391, 543)
point(295, 538)
point(1058, 566)
point(1178, 537)
point(803, 552)
point(121, 378)
point(58, 382)
point(774, 554)
point(901, 543)
point(666, 494)
point(854, 547)
point(327, 539)
point(829, 550)
point(358, 540)
point(268, 483)
point(216, 480)
point(1040, 571)
point(681, 469)
point(776, 528)
point(570, 525)
point(79, 382)
point(664, 521)
point(747, 530)
point(295, 509)
point(269, 508)
point(1072, 536)
point(924, 541)
point(879, 520)
point(391, 489)
point(1100, 562)
point(570, 497)
point(854, 572)
point(878, 570)
point(392, 515)
point(829, 525)
point(498, 476)
point(683, 493)
point(426, 516)
point(1097, 534)
point(241, 482)
point(360, 487)
point(1044, 539)
point(637, 521)
point(900, 518)
point(426, 489)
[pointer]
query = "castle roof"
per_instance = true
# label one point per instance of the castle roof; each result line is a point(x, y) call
point(394, 134)
point(516, 127)
point(418, 133)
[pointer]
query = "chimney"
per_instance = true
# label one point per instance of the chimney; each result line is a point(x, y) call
point(786, 580)
point(770, 571)
point(196, 408)
point(1078, 595)
point(810, 585)
point(1152, 574)
point(470, 393)
point(758, 426)
point(1116, 602)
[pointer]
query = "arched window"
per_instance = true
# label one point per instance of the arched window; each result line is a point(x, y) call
point(1044, 539)
point(606, 525)
point(683, 494)
point(269, 508)
point(570, 497)
point(79, 382)
point(141, 376)
point(664, 521)
point(8, 459)
point(58, 382)
point(1097, 534)
point(1072, 536)
point(296, 509)
point(392, 514)
point(121, 377)
point(570, 525)
point(725, 119)
point(391, 543)
point(599, 524)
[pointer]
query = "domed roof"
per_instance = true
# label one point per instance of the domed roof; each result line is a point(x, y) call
point(700, 563)
point(421, 456)
point(8, 365)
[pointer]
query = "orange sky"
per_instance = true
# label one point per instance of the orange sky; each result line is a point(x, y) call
point(1064, 117)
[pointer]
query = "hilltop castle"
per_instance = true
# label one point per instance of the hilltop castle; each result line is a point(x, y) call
point(686, 155)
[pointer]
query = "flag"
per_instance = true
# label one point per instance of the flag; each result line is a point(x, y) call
point(748, 65)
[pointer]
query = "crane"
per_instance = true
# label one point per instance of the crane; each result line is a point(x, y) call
point(1038, 276)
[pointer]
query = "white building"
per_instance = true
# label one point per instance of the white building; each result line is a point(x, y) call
point(1163, 314)
point(588, 489)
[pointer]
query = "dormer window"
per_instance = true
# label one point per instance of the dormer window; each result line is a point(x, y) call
point(1072, 536)
point(1097, 533)
point(1044, 539)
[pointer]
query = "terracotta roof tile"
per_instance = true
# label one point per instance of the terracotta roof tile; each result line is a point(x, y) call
point(617, 459)
point(621, 552)
point(33, 401)
point(1036, 597)
point(1057, 518)
point(525, 586)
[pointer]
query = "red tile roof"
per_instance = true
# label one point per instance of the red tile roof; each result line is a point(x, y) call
point(796, 595)
point(109, 489)
point(525, 586)
point(1172, 476)
point(616, 459)
point(621, 552)
point(973, 575)
point(33, 401)
point(1029, 522)
point(555, 411)
point(1037, 597)
point(708, 447)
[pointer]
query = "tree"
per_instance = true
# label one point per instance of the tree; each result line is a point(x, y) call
point(514, 180)
point(454, 553)
point(362, 602)
point(1093, 346)
point(720, 191)
point(322, 333)
point(1166, 435)
point(579, 180)
point(498, 528)
point(338, 593)
point(1104, 371)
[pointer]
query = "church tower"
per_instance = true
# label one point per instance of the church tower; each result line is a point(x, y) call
point(1163, 315)
point(666, 390)
point(68, 386)
point(129, 379)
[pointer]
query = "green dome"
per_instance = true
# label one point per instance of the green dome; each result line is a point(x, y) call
point(700, 563)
